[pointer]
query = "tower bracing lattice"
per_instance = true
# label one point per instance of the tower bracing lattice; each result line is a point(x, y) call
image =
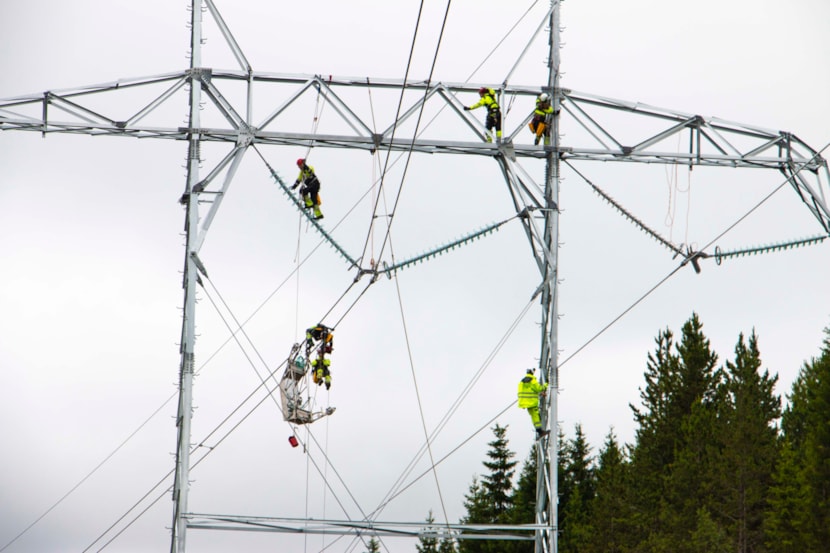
point(221, 111)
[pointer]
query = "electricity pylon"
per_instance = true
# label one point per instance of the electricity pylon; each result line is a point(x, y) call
point(711, 142)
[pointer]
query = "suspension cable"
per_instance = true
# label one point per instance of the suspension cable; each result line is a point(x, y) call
point(396, 487)
point(235, 333)
point(685, 261)
point(418, 398)
point(193, 450)
point(402, 489)
point(90, 473)
point(395, 129)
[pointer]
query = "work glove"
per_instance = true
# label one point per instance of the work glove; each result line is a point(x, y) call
point(295, 185)
point(466, 108)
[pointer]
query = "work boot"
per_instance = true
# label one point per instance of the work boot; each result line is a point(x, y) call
point(536, 141)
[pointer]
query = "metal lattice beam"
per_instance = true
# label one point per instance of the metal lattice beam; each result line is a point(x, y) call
point(596, 126)
point(597, 129)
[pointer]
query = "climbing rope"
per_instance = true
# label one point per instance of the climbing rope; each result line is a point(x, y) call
point(318, 112)
point(674, 191)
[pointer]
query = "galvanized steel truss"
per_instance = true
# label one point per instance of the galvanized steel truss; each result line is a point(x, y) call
point(597, 129)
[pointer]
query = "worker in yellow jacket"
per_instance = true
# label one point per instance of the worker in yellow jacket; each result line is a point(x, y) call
point(541, 122)
point(320, 365)
point(493, 120)
point(310, 190)
point(529, 392)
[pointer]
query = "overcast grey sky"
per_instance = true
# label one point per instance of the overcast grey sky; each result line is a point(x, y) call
point(91, 251)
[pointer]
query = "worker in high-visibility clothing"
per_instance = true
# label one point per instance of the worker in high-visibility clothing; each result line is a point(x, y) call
point(321, 374)
point(493, 119)
point(320, 365)
point(541, 122)
point(529, 393)
point(310, 191)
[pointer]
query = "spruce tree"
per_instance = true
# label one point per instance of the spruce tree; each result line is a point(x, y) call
point(654, 446)
point(498, 483)
point(788, 512)
point(576, 493)
point(447, 544)
point(691, 482)
point(807, 434)
point(441, 541)
point(428, 544)
point(479, 511)
point(817, 448)
point(489, 500)
point(677, 403)
point(523, 510)
point(373, 545)
point(611, 508)
point(748, 440)
point(708, 535)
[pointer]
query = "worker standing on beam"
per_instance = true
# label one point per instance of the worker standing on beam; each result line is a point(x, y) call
point(493, 119)
point(541, 122)
point(310, 191)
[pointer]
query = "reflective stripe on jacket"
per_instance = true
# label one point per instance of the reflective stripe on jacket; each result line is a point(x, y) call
point(529, 390)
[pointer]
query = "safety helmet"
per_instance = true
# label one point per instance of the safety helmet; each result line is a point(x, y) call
point(300, 162)
point(544, 97)
point(482, 91)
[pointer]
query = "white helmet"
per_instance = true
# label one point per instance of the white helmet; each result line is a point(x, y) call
point(544, 97)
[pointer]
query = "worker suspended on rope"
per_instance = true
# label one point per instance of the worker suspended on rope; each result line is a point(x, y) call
point(493, 119)
point(310, 190)
point(529, 393)
point(320, 365)
point(540, 125)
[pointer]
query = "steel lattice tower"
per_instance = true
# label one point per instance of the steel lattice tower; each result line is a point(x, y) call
point(710, 143)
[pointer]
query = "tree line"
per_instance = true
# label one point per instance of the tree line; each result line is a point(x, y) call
point(718, 465)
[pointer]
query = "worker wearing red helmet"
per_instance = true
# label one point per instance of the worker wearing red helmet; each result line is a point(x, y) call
point(493, 120)
point(310, 191)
